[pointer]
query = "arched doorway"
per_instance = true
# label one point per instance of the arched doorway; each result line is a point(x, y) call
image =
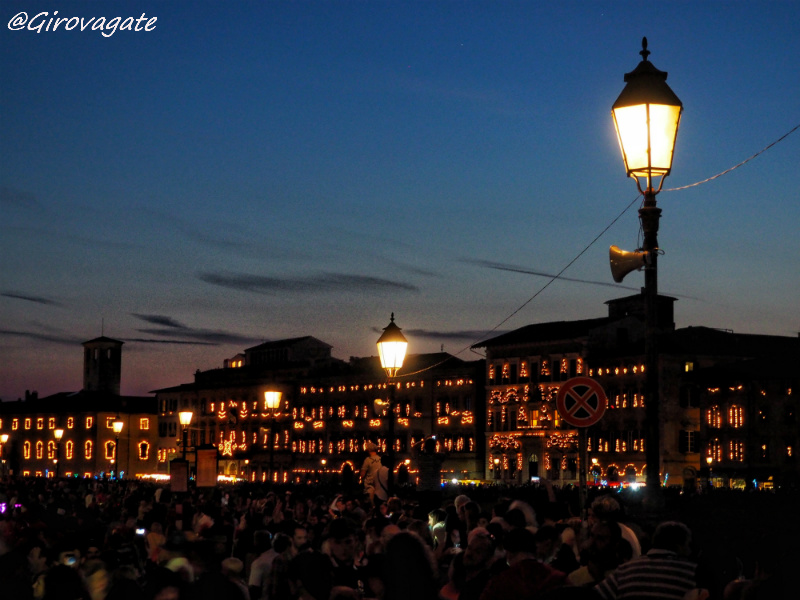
point(533, 467)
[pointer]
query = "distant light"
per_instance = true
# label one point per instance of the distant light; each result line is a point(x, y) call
point(635, 486)
point(454, 480)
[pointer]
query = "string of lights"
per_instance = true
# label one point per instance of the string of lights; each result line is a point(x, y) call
point(596, 238)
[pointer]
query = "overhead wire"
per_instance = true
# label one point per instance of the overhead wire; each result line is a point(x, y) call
point(597, 237)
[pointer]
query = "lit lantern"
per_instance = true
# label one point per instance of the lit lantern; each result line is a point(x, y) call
point(392, 347)
point(646, 117)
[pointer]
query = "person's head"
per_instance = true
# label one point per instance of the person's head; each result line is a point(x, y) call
point(605, 534)
point(547, 542)
point(460, 502)
point(527, 510)
point(372, 448)
point(281, 543)
point(437, 515)
point(673, 536)
point(409, 569)
point(342, 541)
point(604, 508)
point(480, 550)
point(262, 541)
point(299, 537)
point(310, 576)
point(232, 567)
point(519, 544)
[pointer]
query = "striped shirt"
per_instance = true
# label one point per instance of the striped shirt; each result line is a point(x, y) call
point(659, 575)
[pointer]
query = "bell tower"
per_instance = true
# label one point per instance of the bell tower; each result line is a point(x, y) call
point(102, 365)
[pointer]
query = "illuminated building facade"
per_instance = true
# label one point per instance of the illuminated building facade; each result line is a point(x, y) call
point(750, 416)
point(88, 445)
point(525, 438)
point(327, 413)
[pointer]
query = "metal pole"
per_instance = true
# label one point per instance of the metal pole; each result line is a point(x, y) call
point(390, 440)
point(185, 441)
point(649, 215)
point(582, 460)
point(271, 442)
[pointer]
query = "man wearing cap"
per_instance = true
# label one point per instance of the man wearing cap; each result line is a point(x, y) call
point(369, 470)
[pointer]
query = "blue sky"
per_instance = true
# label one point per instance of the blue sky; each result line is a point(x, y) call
point(252, 171)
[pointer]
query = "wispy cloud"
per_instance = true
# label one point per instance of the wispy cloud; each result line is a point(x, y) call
point(27, 298)
point(172, 331)
point(41, 337)
point(323, 282)
point(10, 197)
point(464, 334)
point(160, 320)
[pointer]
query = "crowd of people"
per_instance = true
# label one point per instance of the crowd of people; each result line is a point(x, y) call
point(84, 539)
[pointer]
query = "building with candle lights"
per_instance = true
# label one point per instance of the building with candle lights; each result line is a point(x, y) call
point(86, 433)
point(526, 438)
point(326, 414)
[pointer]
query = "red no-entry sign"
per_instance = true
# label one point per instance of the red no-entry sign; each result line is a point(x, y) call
point(581, 401)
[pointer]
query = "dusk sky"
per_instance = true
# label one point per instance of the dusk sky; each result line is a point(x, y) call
point(251, 171)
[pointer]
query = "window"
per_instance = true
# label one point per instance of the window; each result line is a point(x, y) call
point(14, 424)
point(109, 422)
point(89, 422)
point(26, 450)
point(87, 450)
point(40, 423)
point(51, 423)
point(27, 423)
point(714, 417)
point(688, 366)
point(39, 449)
point(51, 450)
point(736, 450)
point(735, 416)
point(144, 451)
point(715, 450)
point(144, 423)
point(70, 422)
point(70, 446)
point(110, 451)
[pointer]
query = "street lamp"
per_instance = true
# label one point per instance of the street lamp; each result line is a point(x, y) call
point(58, 433)
point(3, 442)
point(710, 461)
point(272, 400)
point(185, 417)
point(117, 425)
point(646, 116)
point(392, 346)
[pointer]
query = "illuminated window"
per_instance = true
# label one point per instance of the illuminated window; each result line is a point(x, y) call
point(51, 423)
point(27, 423)
point(70, 422)
point(70, 448)
point(736, 450)
point(715, 449)
point(26, 450)
point(789, 451)
point(14, 424)
point(144, 451)
point(714, 417)
point(110, 451)
point(688, 366)
point(109, 422)
point(89, 422)
point(39, 449)
point(736, 416)
point(87, 449)
point(51, 450)
point(40, 423)
point(144, 423)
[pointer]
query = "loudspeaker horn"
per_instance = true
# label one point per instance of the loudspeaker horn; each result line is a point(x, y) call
point(623, 262)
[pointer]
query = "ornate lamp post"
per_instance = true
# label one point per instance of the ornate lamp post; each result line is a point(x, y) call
point(646, 116)
point(117, 425)
point(392, 346)
point(58, 433)
point(185, 418)
point(272, 400)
